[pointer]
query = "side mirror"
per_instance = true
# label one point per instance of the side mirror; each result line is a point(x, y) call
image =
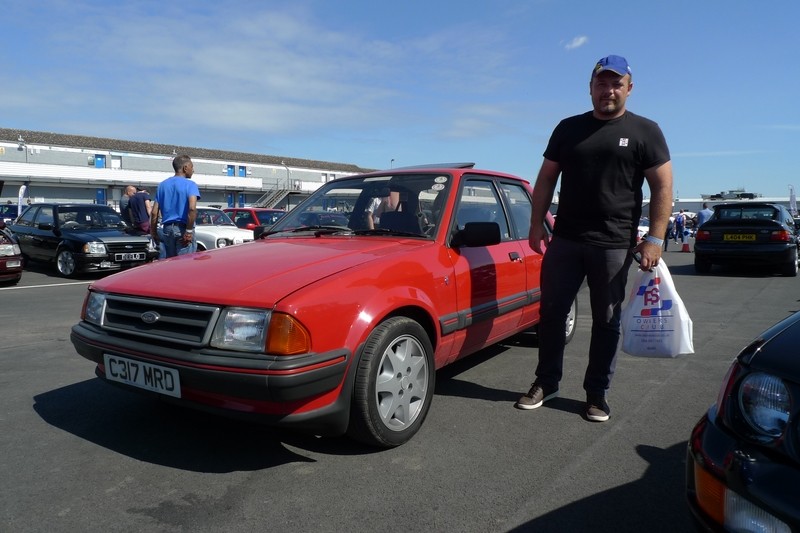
point(45, 227)
point(477, 234)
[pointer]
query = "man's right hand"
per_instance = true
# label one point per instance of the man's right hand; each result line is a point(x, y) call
point(538, 238)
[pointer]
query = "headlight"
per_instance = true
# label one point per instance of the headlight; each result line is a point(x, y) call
point(241, 329)
point(93, 308)
point(764, 401)
point(94, 248)
point(9, 249)
point(222, 242)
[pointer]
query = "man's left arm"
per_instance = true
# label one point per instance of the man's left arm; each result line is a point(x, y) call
point(659, 179)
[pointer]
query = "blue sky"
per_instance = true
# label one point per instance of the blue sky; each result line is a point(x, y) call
point(368, 82)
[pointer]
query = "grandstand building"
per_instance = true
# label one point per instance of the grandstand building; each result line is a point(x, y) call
point(60, 167)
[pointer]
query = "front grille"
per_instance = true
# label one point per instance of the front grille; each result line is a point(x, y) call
point(126, 247)
point(184, 323)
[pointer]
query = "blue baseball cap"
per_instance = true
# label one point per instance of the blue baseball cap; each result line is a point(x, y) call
point(616, 64)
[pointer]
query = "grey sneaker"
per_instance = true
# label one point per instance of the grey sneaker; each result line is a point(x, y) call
point(597, 409)
point(536, 397)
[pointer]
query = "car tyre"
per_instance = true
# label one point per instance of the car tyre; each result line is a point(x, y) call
point(790, 269)
point(65, 263)
point(702, 266)
point(394, 384)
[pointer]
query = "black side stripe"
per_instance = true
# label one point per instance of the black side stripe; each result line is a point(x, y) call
point(465, 318)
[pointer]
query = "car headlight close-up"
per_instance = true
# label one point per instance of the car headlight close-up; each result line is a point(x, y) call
point(9, 249)
point(241, 329)
point(94, 247)
point(765, 404)
point(93, 308)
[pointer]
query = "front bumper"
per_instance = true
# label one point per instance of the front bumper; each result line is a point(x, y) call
point(96, 262)
point(729, 481)
point(310, 391)
point(10, 268)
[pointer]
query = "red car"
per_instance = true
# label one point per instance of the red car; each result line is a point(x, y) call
point(251, 217)
point(349, 309)
point(10, 257)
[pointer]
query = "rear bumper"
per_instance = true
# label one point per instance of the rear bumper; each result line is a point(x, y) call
point(718, 464)
point(769, 254)
point(311, 391)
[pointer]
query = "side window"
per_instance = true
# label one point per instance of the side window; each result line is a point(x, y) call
point(519, 208)
point(479, 202)
point(27, 217)
point(45, 215)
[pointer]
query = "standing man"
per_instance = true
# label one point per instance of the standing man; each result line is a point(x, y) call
point(176, 205)
point(603, 158)
point(680, 226)
point(125, 204)
point(703, 215)
point(140, 210)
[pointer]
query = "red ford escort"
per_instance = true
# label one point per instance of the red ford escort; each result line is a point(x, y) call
point(353, 300)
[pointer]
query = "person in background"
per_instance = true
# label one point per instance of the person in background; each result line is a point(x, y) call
point(124, 204)
point(670, 230)
point(680, 226)
point(603, 158)
point(176, 205)
point(703, 215)
point(140, 209)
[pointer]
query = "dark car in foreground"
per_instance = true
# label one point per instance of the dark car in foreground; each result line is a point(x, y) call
point(748, 233)
point(80, 238)
point(10, 257)
point(743, 461)
point(330, 322)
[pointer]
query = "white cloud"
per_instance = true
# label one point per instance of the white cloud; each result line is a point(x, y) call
point(577, 42)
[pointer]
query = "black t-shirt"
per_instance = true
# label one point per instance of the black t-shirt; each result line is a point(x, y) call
point(602, 172)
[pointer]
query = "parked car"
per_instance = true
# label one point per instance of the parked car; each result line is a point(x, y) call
point(10, 257)
point(80, 238)
point(743, 459)
point(214, 229)
point(325, 324)
point(748, 233)
point(643, 229)
point(8, 213)
point(251, 217)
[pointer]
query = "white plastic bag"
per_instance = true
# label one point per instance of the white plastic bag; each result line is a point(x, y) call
point(655, 323)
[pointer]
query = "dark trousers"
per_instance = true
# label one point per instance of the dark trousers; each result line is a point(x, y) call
point(564, 268)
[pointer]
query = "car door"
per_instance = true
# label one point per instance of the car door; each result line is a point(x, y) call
point(23, 229)
point(490, 280)
point(517, 200)
point(43, 237)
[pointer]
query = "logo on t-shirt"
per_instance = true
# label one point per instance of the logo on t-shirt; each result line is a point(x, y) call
point(623, 141)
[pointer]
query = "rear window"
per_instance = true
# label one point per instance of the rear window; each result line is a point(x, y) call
point(747, 213)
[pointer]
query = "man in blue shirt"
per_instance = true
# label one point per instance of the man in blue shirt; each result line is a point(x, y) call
point(704, 215)
point(176, 205)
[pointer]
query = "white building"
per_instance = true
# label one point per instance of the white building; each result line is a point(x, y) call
point(60, 167)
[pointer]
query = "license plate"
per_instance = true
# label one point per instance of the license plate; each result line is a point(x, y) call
point(739, 237)
point(143, 375)
point(137, 256)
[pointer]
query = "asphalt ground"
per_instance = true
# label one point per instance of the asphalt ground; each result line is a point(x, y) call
point(79, 455)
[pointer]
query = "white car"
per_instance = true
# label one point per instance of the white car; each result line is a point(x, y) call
point(213, 228)
point(643, 229)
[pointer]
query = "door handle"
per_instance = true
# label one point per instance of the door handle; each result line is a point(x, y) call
point(514, 256)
